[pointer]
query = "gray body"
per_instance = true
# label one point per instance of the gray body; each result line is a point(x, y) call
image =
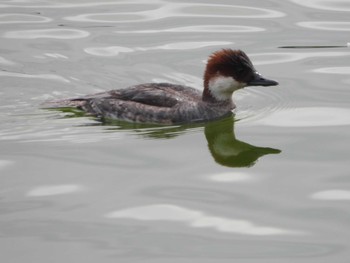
point(161, 103)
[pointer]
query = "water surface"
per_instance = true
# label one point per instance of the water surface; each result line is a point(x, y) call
point(270, 183)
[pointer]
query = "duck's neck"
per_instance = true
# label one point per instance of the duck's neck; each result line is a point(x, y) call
point(207, 96)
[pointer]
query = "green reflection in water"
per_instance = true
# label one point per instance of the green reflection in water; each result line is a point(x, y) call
point(227, 150)
point(222, 143)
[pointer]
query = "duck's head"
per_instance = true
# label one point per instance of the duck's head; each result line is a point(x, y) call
point(229, 70)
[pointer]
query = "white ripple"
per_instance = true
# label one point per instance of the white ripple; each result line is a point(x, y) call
point(333, 70)
point(22, 18)
point(32, 4)
point(36, 76)
point(222, 10)
point(284, 57)
point(191, 45)
point(198, 29)
point(116, 50)
point(326, 25)
point(329, 5)
point(5, 163)
point(5, 61)
point(107, 18)
point(173, 9)
point(307, 117)
point(233, 177)
point(332, 195)
point(198, 219)
point(50, 190)
point(107, 51)
point(56, 55)
point(47, 33)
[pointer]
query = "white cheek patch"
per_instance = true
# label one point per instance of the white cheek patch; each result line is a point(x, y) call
point(222, 87)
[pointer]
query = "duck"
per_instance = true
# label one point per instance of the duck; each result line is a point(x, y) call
point(226, 71)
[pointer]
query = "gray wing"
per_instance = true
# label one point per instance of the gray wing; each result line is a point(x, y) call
point(150, 95)
point(158, 94)
point(155, 94)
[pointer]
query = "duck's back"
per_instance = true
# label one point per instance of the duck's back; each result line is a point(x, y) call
point(158, 94)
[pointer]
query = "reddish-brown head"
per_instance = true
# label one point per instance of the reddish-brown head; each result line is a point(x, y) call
point(228, 70)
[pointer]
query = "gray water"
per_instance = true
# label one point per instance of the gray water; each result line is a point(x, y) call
point(270, 184)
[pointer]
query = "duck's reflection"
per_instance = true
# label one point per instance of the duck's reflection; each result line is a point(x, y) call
point(227, 150)
point(222, 143)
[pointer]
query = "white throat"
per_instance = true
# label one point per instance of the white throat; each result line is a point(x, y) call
point(221, 87)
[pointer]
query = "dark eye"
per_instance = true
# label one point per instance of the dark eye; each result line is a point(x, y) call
point(242, 71)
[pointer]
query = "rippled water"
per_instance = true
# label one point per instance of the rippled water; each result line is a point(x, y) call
point(270, 184)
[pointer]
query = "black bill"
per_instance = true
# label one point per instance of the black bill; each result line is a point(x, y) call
point(259, 80)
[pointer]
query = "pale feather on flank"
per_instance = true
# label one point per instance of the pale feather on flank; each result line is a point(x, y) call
point(226, 71)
